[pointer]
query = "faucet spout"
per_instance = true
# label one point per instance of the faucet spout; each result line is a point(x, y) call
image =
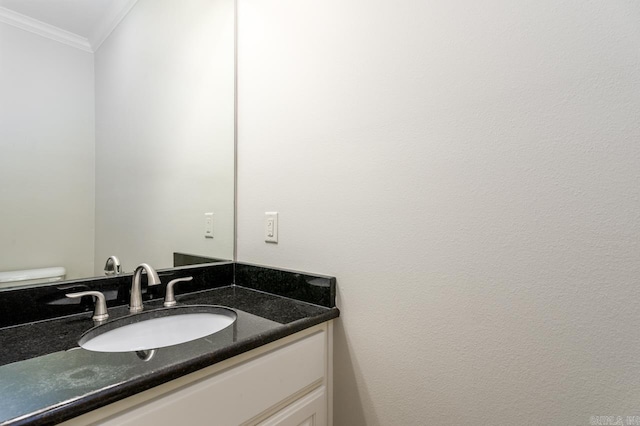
point(136, 287)
point(112, 267)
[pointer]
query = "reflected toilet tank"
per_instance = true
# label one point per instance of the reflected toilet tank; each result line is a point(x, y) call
point(32, 276)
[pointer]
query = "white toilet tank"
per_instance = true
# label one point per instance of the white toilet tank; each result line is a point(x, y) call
point(32, 276)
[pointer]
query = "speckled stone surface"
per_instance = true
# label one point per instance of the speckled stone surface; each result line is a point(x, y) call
point(317, 289)
point(21, 306)
point(46, 378)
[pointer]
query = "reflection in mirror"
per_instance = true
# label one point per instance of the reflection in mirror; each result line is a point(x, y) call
point(118, 139)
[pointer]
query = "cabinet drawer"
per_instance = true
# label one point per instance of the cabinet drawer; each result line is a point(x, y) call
point(239, 394)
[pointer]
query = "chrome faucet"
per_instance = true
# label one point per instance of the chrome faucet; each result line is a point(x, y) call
point(136, 288)
point(112, 267)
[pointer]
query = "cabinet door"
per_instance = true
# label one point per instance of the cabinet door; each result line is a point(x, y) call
point(310, 410)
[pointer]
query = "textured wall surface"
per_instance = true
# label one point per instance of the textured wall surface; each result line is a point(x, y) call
point(470, 172)
point(46, 154)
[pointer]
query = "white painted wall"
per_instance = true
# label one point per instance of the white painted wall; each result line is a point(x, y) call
point(164, 133)
point(46, 154)
point(470, 172)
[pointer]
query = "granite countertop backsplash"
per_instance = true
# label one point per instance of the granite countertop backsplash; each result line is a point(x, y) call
point(46, 378)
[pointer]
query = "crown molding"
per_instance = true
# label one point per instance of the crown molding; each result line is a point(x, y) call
point(109, 23)
point(40, 28)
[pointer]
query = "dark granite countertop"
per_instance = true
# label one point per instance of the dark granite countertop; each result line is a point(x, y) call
point(46, 378)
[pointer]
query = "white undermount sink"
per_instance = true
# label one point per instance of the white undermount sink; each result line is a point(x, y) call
point(157, 329)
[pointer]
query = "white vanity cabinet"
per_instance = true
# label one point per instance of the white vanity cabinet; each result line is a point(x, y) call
point(309, 410)
point(284, 383)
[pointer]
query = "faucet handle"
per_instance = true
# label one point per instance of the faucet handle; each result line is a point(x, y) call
point(100, 313)
point(169, 299)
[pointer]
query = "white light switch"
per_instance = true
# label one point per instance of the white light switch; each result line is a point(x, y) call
point(271, 227)
point(208, 225)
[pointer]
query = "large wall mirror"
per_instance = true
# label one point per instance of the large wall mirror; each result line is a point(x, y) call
point(116, 133)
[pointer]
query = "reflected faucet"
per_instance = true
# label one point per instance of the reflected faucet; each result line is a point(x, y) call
point(112, 267)
point(136, 288)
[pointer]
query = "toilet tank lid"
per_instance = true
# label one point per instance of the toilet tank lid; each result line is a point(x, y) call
point(32, 274)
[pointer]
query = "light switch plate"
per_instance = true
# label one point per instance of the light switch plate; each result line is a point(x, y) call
point(208, 225)
point(271, 227)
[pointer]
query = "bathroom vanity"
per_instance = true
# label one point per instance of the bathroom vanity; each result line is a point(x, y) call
point(273, 366)
point(283, 383)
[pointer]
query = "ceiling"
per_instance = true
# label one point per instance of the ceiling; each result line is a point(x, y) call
point(92, 20)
